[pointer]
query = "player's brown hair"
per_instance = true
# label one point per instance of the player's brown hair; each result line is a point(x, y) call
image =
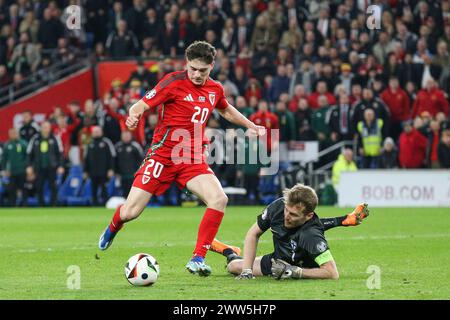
point(301, 195)
point(201, 50)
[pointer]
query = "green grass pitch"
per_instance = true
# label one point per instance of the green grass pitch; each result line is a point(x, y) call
point(410, 247)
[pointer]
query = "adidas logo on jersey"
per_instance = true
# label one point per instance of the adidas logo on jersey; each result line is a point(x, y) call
point(189, 98)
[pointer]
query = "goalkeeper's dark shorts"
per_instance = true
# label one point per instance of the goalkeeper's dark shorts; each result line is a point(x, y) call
point(266, 264)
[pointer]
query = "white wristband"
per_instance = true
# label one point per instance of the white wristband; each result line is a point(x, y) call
point(297, 273)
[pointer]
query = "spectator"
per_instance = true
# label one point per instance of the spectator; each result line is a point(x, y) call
point(293, 37)
point(20, 86)
point(407, 39)
point(113, 119)
point(129, 156)
point(346, 77)
point(280, 84)
point(356, 94)
point(321, 90)
point(444, 149)
point(240, 79)
point(370, 138)
point(263, 117)
point(14, 162)
point(319, 119)
point(228, 34)
point(243, 107)
point(442, 58)
point(211, 37)
point(196, 26)
point(150, 126)
point(262, 63)
point(430, 99)
point(228, 85)
point(65, 53)
point(249, 171)
point(26, 56)
point(63, 131)
point(30, 25)
point(122, 43)
point(304, 76)
point(412, 147)
point(389, 155)
point(253, 89)
point(433, 134)
point(303, 119)
point(242, 36)
point(13, 19)
point(344, 163)
point(148, 79)
point(340, 118)
point(398, 103)
point(370, 102)
point(5, 78)
point(323, 23)
point(45, 161)
point(50, 30)
point(262, 34)
point(99, 164)
point(299, 93)
point(394, 68)
point(422, 52)
point(287, 129)
point(329, 76)
point(134, 16)
point(383, 47)
point(99, 52)
point(150, 26)
point(149, 49)
point(29, 128)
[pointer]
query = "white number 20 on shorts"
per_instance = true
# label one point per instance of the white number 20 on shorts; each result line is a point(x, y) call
point(156, 172)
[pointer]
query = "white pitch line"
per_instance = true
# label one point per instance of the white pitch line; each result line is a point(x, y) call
point(92, 246)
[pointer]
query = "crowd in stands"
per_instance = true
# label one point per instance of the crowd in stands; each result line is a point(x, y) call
point(312, 69)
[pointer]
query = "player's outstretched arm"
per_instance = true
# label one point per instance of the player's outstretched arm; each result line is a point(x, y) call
point(135, 113)
point(354, 218)
point(234, 116)
point(250, 246)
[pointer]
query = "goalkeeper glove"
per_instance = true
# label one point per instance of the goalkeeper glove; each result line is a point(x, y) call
point(283, 270)
point(246, 274)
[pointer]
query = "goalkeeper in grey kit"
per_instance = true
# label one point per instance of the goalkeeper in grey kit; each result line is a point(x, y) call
point(300, 247)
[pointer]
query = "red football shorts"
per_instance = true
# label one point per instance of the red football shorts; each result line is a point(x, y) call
point(155, 177)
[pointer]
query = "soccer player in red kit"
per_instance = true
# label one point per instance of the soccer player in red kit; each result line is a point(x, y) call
point(187, 99)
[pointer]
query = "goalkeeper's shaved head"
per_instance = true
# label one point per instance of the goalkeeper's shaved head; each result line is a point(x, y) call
point(301, 195)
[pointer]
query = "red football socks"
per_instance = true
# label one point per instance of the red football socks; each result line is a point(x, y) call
point(116, 223)
point(207, 231)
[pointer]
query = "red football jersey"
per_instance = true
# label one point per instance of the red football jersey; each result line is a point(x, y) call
point(185, 110)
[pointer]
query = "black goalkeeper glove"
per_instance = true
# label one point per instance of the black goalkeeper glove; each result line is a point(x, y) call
point(283, 270)
point(246, 274)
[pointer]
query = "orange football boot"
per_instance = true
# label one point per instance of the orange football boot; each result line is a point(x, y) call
point(219, 247)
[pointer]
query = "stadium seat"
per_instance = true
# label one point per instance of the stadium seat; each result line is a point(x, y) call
point(83, 195)
point(111, 187)
point(71, 186)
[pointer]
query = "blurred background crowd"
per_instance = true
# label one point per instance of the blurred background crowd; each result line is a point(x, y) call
point(312, 69)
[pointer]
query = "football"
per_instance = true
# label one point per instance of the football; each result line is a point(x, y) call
point(142, 270)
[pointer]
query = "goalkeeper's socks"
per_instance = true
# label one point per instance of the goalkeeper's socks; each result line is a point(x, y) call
point(226, 252)
point(230, 255)
point(207, 230)
point(116, 222)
